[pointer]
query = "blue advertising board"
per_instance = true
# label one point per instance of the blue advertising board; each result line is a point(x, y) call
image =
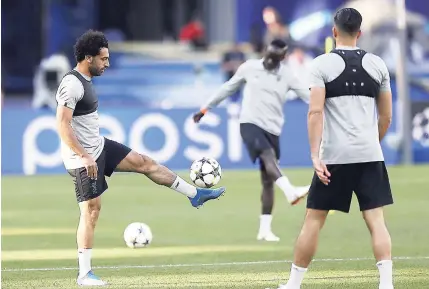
point(30, 144)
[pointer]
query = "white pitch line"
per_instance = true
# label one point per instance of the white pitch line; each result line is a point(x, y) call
point(205, 264)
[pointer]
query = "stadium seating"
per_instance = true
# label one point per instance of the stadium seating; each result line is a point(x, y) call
point(135, 79)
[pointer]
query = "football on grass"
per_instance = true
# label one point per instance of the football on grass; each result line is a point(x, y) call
point(137, 235)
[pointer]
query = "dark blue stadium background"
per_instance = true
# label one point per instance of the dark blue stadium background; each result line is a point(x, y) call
point(136, 85)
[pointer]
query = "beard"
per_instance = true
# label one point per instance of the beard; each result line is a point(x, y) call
point(94, 71)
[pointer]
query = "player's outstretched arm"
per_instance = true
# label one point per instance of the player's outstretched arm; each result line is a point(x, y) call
point(300, 89)
point(227, 89)
point(303, 93)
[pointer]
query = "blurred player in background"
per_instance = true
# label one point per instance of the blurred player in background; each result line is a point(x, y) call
point(348, 88)
point(89, 157)
point(266, 82)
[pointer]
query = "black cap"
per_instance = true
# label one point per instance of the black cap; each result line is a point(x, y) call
point(348, 20)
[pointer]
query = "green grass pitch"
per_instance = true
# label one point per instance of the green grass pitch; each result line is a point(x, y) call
point(213, 247)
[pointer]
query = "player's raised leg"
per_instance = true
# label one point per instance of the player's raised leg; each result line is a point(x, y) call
point(161, 175)
point(267, 199)
point(89, 212)
point(293, 194)
point(381, 245)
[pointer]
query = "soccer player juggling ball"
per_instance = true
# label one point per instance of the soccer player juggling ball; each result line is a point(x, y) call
point(89, 157)
point(266, 82)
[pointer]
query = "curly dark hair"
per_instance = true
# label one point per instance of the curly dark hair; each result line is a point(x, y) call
point(89, 43)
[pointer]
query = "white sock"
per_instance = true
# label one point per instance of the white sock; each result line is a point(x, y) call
point(385, 269)
point(284, 184)
point(265, 223)
point(184, 188)
point(296, 277)
point(84, 256)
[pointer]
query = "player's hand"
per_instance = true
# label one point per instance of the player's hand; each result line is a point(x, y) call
point(321, 170)
point(198, 116)
point(90, 166)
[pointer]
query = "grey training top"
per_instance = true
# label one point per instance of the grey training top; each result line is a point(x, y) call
point(85, 122)
point(350, 133)
point(264, 94)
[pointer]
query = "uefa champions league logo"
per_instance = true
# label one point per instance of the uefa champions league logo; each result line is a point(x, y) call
point(421, 127)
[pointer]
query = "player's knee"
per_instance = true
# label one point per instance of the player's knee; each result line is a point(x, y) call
point(268, 156)
point(269, 161)
point(374, 219)
point(268, 185)
point(94, 215)
point(267, 181)
point(147, 165)
point(315, 218)
point(141, 163)
point(90, 210)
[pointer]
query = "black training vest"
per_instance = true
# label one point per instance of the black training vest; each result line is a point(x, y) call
point(354, 80)
point(89, 102)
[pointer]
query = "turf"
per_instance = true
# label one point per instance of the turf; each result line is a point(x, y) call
point(213, 247)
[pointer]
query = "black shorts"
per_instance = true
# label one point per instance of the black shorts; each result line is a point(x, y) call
point(369, 181)
point(86, 189)
point(258, 140)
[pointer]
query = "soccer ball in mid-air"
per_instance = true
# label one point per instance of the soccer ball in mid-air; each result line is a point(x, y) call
point(137, 235)
point(205, 172)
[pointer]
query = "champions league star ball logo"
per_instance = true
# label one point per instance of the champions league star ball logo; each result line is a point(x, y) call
point(421, 127)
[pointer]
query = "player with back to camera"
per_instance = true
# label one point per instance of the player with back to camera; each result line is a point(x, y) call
point(266, 82)
point(349, 114)
point(89, 157)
